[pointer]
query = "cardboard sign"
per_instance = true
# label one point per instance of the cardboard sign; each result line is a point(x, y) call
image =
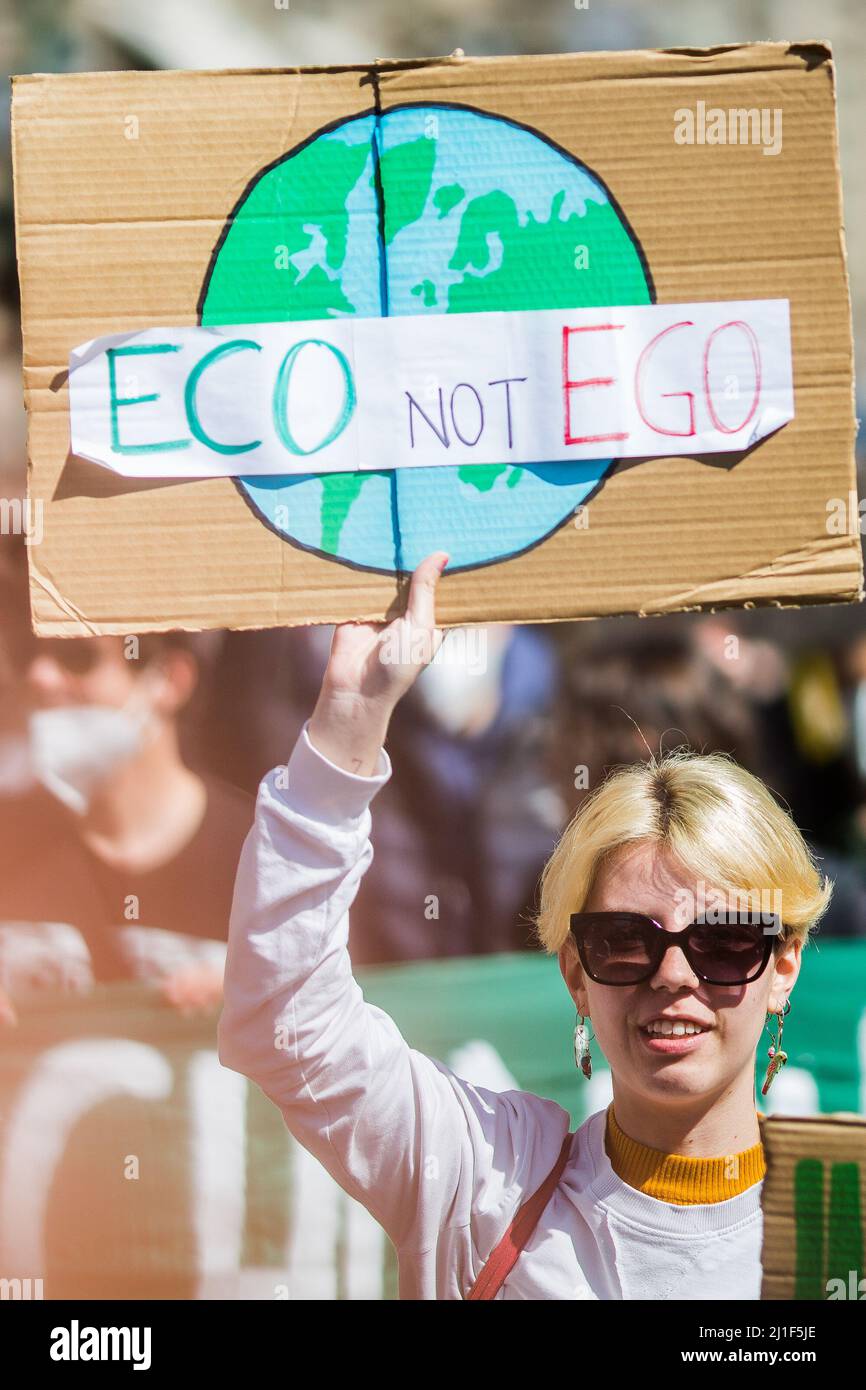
point(348, 395)
point(814, 1202)
point(444, 210)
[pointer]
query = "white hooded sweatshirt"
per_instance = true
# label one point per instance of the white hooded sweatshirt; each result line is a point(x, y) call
point(441, 1164)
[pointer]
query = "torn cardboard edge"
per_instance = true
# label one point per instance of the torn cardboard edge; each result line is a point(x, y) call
point(814, 52)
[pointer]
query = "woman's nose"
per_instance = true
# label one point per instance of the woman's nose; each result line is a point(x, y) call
point(674, 970)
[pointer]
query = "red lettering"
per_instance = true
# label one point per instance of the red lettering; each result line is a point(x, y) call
point(756, 361)
point(640, 371)
point(568, 385)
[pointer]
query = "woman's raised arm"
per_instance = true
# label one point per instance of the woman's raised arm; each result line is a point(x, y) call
point(421, 1149)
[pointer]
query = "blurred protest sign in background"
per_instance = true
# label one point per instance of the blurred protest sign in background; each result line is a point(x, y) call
point(133, 1165)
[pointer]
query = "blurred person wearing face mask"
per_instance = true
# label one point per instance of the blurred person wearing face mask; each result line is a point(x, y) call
point(103, 826)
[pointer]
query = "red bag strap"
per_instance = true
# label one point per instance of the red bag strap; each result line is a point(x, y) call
point(503, 1257)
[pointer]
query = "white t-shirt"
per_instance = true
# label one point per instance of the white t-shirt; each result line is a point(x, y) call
point(443, 1165)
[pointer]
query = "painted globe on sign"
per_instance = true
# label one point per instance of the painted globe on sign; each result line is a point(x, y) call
point(426, 209)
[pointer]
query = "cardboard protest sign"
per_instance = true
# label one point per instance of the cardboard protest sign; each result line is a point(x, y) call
point(814, 1202)
point(581, 320)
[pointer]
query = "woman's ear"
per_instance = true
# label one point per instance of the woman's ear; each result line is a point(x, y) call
point(786, 968)
point(572, 973)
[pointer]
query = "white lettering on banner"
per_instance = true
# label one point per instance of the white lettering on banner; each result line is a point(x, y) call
point(342, 395)
point(68, 1080)
point(217, 1144)
point(319, 1206)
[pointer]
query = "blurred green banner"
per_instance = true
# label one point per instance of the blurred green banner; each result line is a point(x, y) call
point(132, 1165)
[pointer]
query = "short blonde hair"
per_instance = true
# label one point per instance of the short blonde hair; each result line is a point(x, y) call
point(720, 822)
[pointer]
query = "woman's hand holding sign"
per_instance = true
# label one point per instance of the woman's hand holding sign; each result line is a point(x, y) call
point(371, 666)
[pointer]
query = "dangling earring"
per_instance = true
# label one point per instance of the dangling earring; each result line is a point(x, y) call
point(582, 1057)
point(777, 1057)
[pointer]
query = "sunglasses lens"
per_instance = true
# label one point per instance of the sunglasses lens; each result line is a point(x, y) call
point(616, 948)
point(625, 948)
point(728, 952)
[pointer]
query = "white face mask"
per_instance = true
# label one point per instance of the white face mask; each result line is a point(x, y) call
point(461, 685)
point(16, 765)
point(73, 748)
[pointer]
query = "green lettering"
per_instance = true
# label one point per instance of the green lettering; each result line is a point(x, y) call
point(189, 397)
point(138, 350)
point(281, 397)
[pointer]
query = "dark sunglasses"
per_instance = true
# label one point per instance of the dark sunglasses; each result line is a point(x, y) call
point(626, 948)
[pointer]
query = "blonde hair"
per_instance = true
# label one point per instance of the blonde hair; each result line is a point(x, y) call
point(720, 822)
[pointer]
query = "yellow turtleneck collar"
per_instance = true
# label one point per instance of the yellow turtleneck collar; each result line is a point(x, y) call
point(675, 1178)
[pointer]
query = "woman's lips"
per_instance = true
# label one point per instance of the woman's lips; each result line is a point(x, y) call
point(668, 1045)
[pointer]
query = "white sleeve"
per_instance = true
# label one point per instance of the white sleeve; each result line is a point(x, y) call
point(420, 1148)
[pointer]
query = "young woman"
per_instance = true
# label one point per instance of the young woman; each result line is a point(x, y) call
point(656, 1197)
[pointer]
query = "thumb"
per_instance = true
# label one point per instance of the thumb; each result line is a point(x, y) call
point(421, 605)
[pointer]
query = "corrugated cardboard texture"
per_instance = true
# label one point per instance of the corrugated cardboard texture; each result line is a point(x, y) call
point(117, 234)
point(814, 1201)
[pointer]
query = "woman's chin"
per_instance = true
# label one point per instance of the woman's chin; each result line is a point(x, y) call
point(674, 1071)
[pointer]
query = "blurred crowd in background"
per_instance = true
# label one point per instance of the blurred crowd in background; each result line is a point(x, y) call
point(129, 766)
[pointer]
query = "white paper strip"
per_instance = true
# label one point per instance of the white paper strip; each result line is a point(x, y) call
point(339, 395)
